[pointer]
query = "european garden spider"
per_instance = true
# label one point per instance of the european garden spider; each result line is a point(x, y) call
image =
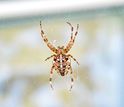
point(61, 60)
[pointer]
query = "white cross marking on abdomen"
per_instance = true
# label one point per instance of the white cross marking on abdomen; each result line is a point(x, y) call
point(61, 61)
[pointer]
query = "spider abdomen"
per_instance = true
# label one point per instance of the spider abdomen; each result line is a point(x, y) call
point(61, 63)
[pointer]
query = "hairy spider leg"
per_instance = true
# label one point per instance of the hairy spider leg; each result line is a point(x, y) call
point(73, 58)
point(72, 79)
point(46, 40)
point(49, 57)
point(71, 29)
point(71, 42)
point(51, 75)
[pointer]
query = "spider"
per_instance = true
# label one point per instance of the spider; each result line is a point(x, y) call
point(61, 60)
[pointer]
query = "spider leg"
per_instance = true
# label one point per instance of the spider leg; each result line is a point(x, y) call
point(49, 57)
point(71, 42)
point(71, 29)
point(69, 68)
point(66, 72)
point(46, 40)
point(72, 79)
point(73, 59)
point(51, 75)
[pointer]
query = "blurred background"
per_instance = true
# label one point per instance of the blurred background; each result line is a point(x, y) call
point(99, 48)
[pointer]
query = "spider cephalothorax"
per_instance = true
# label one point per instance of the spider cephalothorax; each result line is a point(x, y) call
point(61, 60)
